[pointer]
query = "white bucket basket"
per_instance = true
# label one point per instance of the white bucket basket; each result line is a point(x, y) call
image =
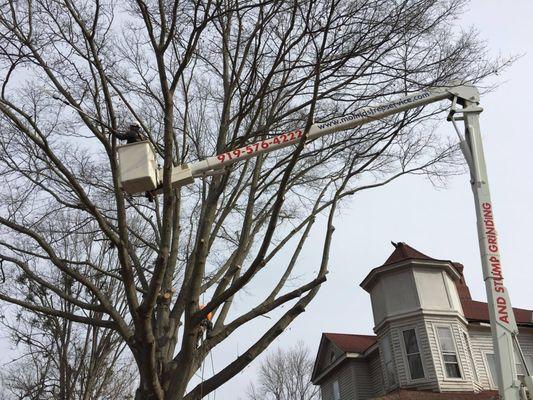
point(137, 166)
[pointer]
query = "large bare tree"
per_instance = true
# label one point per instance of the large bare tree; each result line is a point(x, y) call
point(202, 77)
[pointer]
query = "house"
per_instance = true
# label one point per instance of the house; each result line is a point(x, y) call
point(433, 341)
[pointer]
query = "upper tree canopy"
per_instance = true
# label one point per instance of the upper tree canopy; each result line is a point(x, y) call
point(200, 78)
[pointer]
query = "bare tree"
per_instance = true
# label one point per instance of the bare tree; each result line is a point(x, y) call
point(286, 375)
point(63, 361)
point(202, 77)
point(57, 358)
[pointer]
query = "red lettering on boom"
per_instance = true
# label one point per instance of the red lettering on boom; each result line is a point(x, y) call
point(489, 229)
point(502, 310)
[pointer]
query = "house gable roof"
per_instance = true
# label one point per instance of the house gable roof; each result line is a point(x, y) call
point(349, 345)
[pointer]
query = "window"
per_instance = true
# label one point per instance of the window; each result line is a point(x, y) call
point(449, 355)
point(390, 371)
point(491, 362)
point(471, 356)
point(520, 370)
point(529, 361)
point(414, 360)
point(336, 391)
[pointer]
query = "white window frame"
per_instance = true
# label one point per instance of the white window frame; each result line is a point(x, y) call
point(441, 353)
point(518, 362)
point(492, 384)
point(519, 365)
point(528, 357)
point(471, 357)
point(406, 358)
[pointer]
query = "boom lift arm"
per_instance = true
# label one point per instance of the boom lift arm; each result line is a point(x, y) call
point(139, 174)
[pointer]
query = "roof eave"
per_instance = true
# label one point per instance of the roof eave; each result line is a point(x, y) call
point(366, 284)
point(317, 357)
point(487, 322)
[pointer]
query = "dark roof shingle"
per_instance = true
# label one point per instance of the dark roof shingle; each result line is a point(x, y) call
point(402, 252)
point(479, 311)
point(351, 343)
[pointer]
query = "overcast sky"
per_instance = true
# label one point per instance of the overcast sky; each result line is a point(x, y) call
point(438, 222)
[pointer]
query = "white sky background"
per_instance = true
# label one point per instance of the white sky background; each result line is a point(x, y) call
point(437, 222)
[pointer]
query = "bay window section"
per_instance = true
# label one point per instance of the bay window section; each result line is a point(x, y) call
point(471, 356)
point(414, 360)
point(388, 361)
point(449, 354)
point(491, 362)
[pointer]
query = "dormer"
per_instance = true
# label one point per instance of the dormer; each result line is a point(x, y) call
point(410, 283)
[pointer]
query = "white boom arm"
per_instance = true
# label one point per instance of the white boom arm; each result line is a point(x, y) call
point(139, 173)
point(362, 116)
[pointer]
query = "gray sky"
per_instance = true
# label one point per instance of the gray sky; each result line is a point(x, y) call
point(438, 222)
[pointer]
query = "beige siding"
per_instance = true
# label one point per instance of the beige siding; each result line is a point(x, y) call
point(379, 308)
point(475, 358)
point(432, 289)
point(434, 351)
point(376, 373)
point(363, 384)
point(429, 382)
point(481, 341)
point(345, 376)
point(457, 328)
point(330, 354)
point(525, 338)
point(394, 294)
point(397, 350)
point(355, 381)
point(361, 379)
point(385, 385)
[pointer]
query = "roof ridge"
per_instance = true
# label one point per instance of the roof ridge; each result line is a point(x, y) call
point(402, 251)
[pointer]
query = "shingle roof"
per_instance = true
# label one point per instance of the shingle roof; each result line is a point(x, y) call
point(403, 394)
point(479, 311)
point(402, 252)
point(351, 343)
point(347, 343)
point(462, 289)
